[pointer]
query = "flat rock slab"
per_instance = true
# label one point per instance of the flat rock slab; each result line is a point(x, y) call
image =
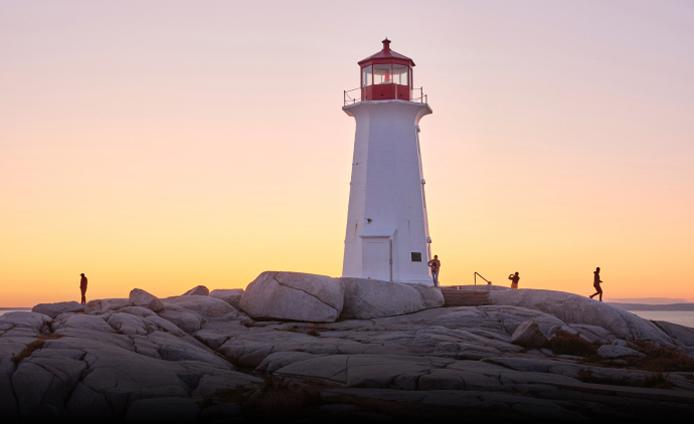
point(55, 309)
point(617, 351)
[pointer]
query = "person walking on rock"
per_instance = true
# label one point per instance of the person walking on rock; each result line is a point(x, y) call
point(596, 284)
point(514, 280)
point(435, 265)
point(83, 287)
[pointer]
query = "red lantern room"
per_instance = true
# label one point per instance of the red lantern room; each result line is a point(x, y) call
point(386, 75)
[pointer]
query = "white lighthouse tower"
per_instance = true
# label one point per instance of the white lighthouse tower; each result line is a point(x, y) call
point(387, 234)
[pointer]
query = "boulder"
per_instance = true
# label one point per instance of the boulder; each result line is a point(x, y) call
point(55, 309)
point(529, 335)
point(198, 291)
point(230, 296)
point(366, 298)
point(431, 296)
point(293, 296)
point(139, 297)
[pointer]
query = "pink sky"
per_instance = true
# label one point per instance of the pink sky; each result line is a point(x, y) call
point(163, 144)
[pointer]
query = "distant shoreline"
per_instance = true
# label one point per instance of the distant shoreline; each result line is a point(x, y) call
point(652, 307)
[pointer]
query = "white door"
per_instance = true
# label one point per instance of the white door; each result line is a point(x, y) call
point(377, 260)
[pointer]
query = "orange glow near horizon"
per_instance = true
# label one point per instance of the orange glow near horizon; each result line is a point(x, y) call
point(167, 144)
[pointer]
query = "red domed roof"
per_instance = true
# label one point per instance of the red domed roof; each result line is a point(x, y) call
point(386, 55)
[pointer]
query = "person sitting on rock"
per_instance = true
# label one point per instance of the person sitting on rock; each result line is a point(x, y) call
point(435, 265)
point(514, 280)
point(83, 287)
point(596, 284)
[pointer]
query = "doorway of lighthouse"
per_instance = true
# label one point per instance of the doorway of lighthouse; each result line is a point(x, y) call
point(378, 258)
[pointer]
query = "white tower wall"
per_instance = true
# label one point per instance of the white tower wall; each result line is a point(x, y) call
point(387, 217)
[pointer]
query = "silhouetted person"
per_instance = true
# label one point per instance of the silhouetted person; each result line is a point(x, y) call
point(514, 280)
point(435, 265)
point(596, 284)
point(83, 287)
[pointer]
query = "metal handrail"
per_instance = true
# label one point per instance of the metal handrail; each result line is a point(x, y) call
point(477, 274)
point(353, 96)
point(348, 99)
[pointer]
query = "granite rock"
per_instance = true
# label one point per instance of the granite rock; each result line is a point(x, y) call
point(293, 296)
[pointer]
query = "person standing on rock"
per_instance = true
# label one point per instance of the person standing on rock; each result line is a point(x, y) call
point(596, 284)
point(515, 278)
point(83, 287)
point(435, 265)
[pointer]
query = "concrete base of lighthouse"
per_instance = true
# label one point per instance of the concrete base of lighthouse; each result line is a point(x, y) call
point(387, 235)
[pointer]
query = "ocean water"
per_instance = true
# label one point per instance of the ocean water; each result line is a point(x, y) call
point(6, 311)
point(677, 317)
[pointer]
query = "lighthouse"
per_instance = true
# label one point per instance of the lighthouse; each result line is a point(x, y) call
point(387, 235)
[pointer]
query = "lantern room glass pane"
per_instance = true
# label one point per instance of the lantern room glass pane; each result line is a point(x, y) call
point(383, 74)
point(366, 76)
point(400, 75)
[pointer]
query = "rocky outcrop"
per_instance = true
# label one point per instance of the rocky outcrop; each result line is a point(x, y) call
point(197, 291)
point(574, 309)
point(200, 359)
point(139, 297)
point(365, 298)
point(293, 296)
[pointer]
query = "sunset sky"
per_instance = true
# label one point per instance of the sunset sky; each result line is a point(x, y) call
point(164, 144)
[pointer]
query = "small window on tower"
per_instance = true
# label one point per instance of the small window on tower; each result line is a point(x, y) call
point(416, 256)
point(367, 76)
point(400, 75)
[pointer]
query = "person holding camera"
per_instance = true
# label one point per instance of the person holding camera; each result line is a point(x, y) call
point(515, 278)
